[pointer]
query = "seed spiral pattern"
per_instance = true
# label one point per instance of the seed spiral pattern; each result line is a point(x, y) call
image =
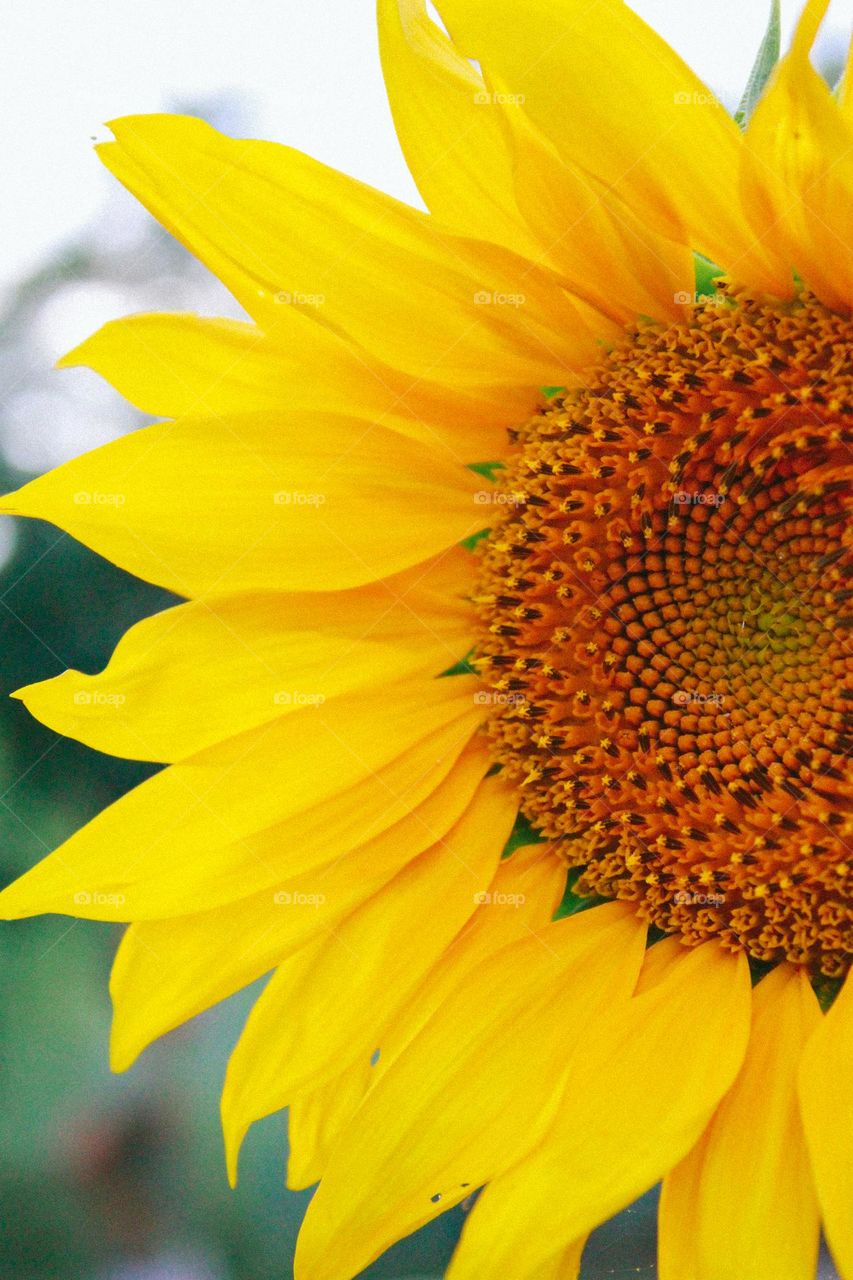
point(665, 627)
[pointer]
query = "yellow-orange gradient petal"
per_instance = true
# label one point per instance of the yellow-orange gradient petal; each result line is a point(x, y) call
point(268, 220)
point(454, 144)
point(216, 506)
point(315, 1120)
point(640, 1089)
point(319, 1008)
point(267, 804)
point(166, 971)
point(191, 676)
point(750, 1170)
point(522, 897)
point(615, 100)
point(826, 1100)
point(798, 171)
point(177, 365)
point(428, 1133)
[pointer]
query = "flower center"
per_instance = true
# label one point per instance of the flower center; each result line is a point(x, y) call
point(665, 613)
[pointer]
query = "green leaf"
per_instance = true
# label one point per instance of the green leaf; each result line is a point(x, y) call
point(765, 61)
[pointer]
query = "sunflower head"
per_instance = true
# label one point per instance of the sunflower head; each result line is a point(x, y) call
point(665, 626)
point(655, 625)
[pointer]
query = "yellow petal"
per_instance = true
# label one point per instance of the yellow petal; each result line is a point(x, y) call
point(316, 1011)
point(826, 1100)
point(798, 176)
point(639, 1092)
point(617, 102)
point(217, 506)
point(193, 675)
point(269, 220)
point(588, 237)
point(316, 1119)
point(181, 365)
point(268, 804)
point(522, 897)
point(471, 1093)
point(451, 134)
point(751, 1170)
point(166, 971)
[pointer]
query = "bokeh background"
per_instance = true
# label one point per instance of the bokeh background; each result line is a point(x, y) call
point(122, 1178)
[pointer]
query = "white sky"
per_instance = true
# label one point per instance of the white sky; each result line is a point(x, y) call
point(307, 70)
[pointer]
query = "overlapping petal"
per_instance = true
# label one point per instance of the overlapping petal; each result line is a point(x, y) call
point(168, 970)
point(826, 1102)
point(265, 805)
point(428, 1133)
point(269, 220)
point(664, 147)
point(181, 365)
point(639, 1091)
point(798, 171)
point(260, 502)
point(191, 676)
point(750, 1169)
point(319, 1008)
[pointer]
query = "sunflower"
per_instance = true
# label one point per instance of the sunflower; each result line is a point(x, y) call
point(504, 716)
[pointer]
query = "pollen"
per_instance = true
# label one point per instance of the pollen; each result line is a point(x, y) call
point(667, 584)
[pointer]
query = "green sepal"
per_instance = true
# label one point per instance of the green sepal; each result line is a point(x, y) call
point(485, 469)
point(470, 543)
point(461, 668)
point(826, 989)
point(522, 833)
point(765, 61)
point(572, 902)
point(705, 276)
